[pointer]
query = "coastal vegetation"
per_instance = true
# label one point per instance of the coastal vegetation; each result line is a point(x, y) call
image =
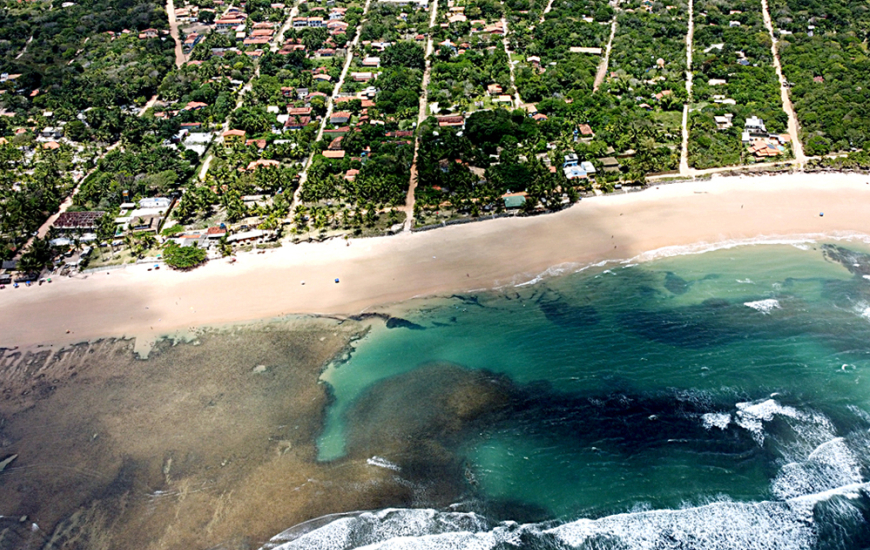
point(251, 124)
point(183, 258)
point(733, 78)
point(823, 48)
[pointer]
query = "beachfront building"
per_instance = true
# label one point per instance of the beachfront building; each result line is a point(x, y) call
point(754, 127)
point(77, 222)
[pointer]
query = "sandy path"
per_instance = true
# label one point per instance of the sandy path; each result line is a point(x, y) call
point(303, 177)
point(504, 41)
point(787, 106)
point(546, 10)
point(421, 117)
point(684, 150)
point(180, 58)
point(602, 68)
point(385, 270)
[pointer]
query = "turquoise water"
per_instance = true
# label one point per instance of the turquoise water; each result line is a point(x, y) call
point(644, 404)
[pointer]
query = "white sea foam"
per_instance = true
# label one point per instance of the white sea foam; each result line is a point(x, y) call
point(746, 281)
point(863, 309)
point(724, 525)
point(752, 416)
point(704, 247)
point(383, 463)
point(716, 420)
point(764, 306)
point(831, 465)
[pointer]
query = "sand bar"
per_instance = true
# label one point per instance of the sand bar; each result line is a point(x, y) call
point(372, 272)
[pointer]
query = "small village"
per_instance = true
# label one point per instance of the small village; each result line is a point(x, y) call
point(282, 123)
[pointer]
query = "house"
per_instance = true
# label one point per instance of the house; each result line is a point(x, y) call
point(258, 143)
point(586, 131)
point(493, 89)
point(717, 82)
point(148, 223)
point(334, 132)
point(609, 164)
point(148, 33)
point(754, 126)
point(300, 22)
point(574, 172)
point(232, 137)
point(156, 202)
point(334, 154)
point(261, 163)
point(325, 52)
point(316, 22)
point(765, 148)
point(723, 122)
point(451, 121)
point(216, 232)
point(322, 77)
point(246, 236)
point(297, 122)
point(539, 117)
point(287, 91)
point(335, 145)
point(299, 111)
point(593, 51)
point(77, 221)
point(51, 145)
point(362, 77)
point(192, 40)
point(341, 117)
point(195, 106)
point(351, 174)
point(371, 62)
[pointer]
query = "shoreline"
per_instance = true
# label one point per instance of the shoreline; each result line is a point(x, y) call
point(632, 227)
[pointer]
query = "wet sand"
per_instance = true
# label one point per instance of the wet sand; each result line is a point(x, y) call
point(137, 303)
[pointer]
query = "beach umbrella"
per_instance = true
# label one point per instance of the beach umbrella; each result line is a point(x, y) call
point(336, 279)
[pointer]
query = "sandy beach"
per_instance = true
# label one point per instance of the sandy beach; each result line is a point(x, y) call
point(134, 302)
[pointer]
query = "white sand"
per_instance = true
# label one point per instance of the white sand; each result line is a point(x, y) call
point(135, 302)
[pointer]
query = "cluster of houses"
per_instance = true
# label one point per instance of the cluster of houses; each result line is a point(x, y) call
point(761, 143)
point(456, 14)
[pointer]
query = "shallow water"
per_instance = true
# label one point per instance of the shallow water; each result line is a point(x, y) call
point(708, 401)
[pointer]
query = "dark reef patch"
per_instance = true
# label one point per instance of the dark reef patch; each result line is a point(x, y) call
point(676, 284)
point(398, 322)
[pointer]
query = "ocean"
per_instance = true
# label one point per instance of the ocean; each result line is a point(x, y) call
point(716, 400)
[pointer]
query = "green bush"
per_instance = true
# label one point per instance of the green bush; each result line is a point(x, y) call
point(183, 257)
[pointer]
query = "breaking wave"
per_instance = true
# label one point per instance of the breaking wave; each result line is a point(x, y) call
point(818, 490)
point(764, 306)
